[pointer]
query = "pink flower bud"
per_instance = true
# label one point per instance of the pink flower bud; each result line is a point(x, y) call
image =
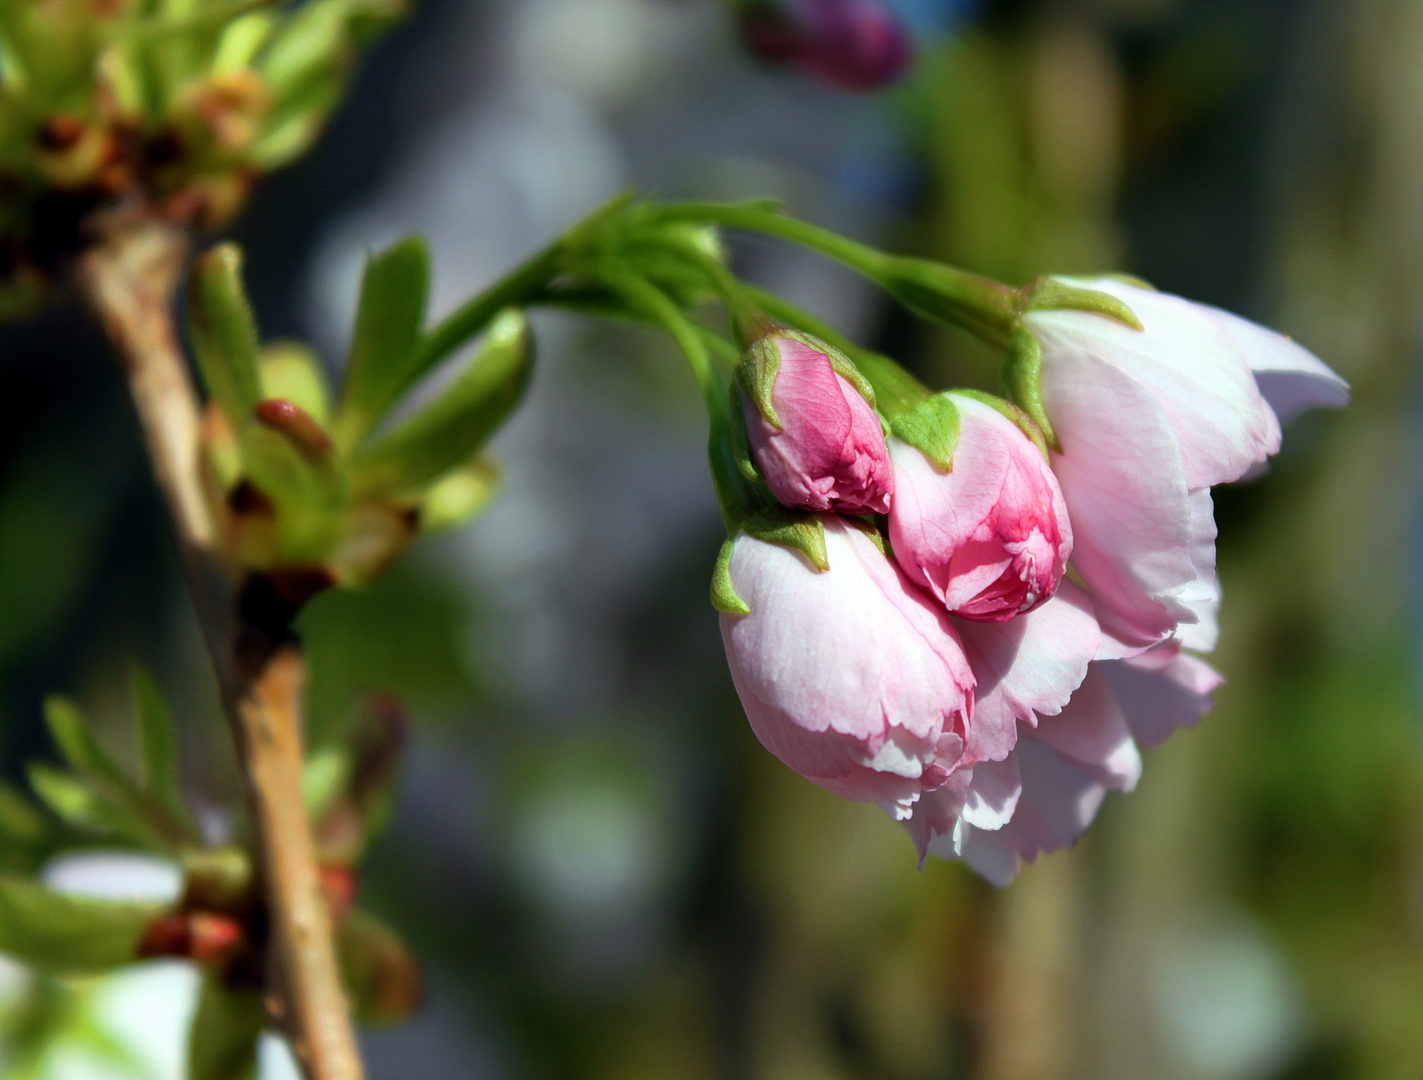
point(991, 537)
point(819, 445)
point(852, 676)
point(854, 44)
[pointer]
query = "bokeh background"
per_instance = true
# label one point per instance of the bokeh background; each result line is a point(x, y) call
point(602, 874)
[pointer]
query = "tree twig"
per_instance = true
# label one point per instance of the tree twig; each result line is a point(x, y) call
point(130, 278)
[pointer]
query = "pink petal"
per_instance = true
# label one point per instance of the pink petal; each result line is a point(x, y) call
point(1161, 691)
point(1120, 471)
point(1189, 358)
point(1092, 732)
point(1026, 667)
point(1059, 800)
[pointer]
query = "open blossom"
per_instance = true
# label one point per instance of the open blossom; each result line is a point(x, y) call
point(1148, 421)
point(853, 677)
point(990, 537)
point(821, 447)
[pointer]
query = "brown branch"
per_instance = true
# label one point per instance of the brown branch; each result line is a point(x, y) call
point(130, 278)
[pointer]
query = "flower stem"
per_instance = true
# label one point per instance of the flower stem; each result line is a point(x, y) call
point(980, 305)
point(129, 278)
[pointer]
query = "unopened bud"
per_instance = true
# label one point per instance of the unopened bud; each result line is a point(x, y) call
point(812, 433)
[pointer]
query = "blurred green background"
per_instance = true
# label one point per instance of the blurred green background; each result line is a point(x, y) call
point(601, 872)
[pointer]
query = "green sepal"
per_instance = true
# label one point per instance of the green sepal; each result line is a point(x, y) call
point(932, 428)
point(723, 593)
point(389, 318)
point(1054, 294)
point(1023, 377)
point(223, 332)
point(229, 1021)
point(455, 425)
point(459, 495)
point(872, 530)
point(1020, 418)
point(63, 934)
point(1132, 279)
point(291, 371)
point(740, 444)
point(756, 373)
point(793, 529)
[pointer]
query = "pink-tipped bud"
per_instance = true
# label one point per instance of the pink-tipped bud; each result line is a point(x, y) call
point(990, 538)
point(854, 44)
point(812, 434)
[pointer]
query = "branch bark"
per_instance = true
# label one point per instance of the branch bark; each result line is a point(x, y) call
point(130, 278)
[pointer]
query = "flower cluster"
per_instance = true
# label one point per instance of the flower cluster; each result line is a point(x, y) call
point(906, 632)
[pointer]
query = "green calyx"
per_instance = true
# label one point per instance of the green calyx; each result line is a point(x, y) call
point(1019, 417)
point(932, 428)
point(1023, 378)
point(723, 593)
point(793, 529)
point(1054, 294)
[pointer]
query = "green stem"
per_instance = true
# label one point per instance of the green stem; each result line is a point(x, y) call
point(978, 304)
point(642, 294)
point(512, 290)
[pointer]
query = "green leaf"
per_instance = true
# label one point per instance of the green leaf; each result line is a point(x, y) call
point(223, 332)
point(285, 458)
point(789, 528)
point(388, 323)
point(226, 1027)
point(931, 428)
point(20, 822)
point(459, 495)
point(78, 745)
point(157, 742)
point(455, 425)
point(324, 777)
point(379, 972)
point(308, 44)
point(65, 933)
point(79, 803)
point(723, 593)
point(291, 371)
point(242, 40)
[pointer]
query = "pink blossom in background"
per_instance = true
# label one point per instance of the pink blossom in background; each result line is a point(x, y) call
point(829, 452)
point(853, 44)
point(1148, 421)
point(990, 537)
point(853, 677)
